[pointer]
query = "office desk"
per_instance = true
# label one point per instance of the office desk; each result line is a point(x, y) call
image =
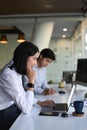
point(35, 122)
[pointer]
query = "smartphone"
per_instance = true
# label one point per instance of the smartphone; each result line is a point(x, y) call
point(49, 113)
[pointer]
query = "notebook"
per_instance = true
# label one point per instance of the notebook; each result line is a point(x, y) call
point(60, 107)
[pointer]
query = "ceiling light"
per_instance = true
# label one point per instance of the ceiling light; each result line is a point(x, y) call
point(63, 36)
point(64, 29)
point(48, 6)
point(3, 39)
point(21, 38)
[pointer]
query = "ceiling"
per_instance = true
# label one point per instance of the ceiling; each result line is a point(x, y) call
point(15, 7)
point(22, 13)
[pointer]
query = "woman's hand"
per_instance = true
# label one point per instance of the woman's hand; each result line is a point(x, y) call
point(48, 91)
point(31, 75)
point(46, 103)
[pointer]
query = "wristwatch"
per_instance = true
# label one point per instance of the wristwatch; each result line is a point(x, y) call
point(30, 85)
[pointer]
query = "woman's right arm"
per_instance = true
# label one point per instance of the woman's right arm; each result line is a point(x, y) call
point(12, 85)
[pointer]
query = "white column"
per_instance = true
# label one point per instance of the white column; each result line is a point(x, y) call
point(42, 34)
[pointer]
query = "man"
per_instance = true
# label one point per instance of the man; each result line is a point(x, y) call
point(40, 85)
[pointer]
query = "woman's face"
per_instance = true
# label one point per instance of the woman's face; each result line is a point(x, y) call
point(32, 60)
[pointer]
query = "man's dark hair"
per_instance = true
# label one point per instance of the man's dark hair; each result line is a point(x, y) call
point(48, 53)
point(21, 54)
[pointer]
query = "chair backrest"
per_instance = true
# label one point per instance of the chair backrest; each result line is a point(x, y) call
point(68, 75)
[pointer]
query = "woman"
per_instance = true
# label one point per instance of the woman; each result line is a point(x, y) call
point(13, 98)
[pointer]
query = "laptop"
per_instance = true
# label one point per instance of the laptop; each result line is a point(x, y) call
point(60, 107)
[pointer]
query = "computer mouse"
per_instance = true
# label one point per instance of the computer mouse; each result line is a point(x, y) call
point(64, 115)
point(61, 92)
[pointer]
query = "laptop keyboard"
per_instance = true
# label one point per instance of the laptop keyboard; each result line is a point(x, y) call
point(46, 109)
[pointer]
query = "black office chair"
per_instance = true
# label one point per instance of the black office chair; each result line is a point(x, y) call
point(67, 76)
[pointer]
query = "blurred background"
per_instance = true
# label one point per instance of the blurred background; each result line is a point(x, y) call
point(58, 24)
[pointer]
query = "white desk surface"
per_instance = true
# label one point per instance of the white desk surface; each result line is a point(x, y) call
point(35, 122)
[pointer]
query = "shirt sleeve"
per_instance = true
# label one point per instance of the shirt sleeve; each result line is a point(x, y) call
point(13, 87)
point(41, 82)
point(35, 101)
point(38, 90)
point(45, 84)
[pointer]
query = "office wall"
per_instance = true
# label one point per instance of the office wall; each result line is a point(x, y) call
point(62, 50)
point(6, 50)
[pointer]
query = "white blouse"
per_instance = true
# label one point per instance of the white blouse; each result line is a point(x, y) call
point(12, 91)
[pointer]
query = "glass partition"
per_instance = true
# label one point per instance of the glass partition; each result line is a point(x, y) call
point(85, 42)
point(77, 50)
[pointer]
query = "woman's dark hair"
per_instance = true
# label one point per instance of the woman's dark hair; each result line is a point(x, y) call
point(21, 54)
point(48, 53)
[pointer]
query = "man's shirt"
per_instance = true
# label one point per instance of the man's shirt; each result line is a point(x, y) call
point(40, 82)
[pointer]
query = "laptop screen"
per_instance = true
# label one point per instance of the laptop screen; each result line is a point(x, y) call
point(70, 96)
point(65, 106)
